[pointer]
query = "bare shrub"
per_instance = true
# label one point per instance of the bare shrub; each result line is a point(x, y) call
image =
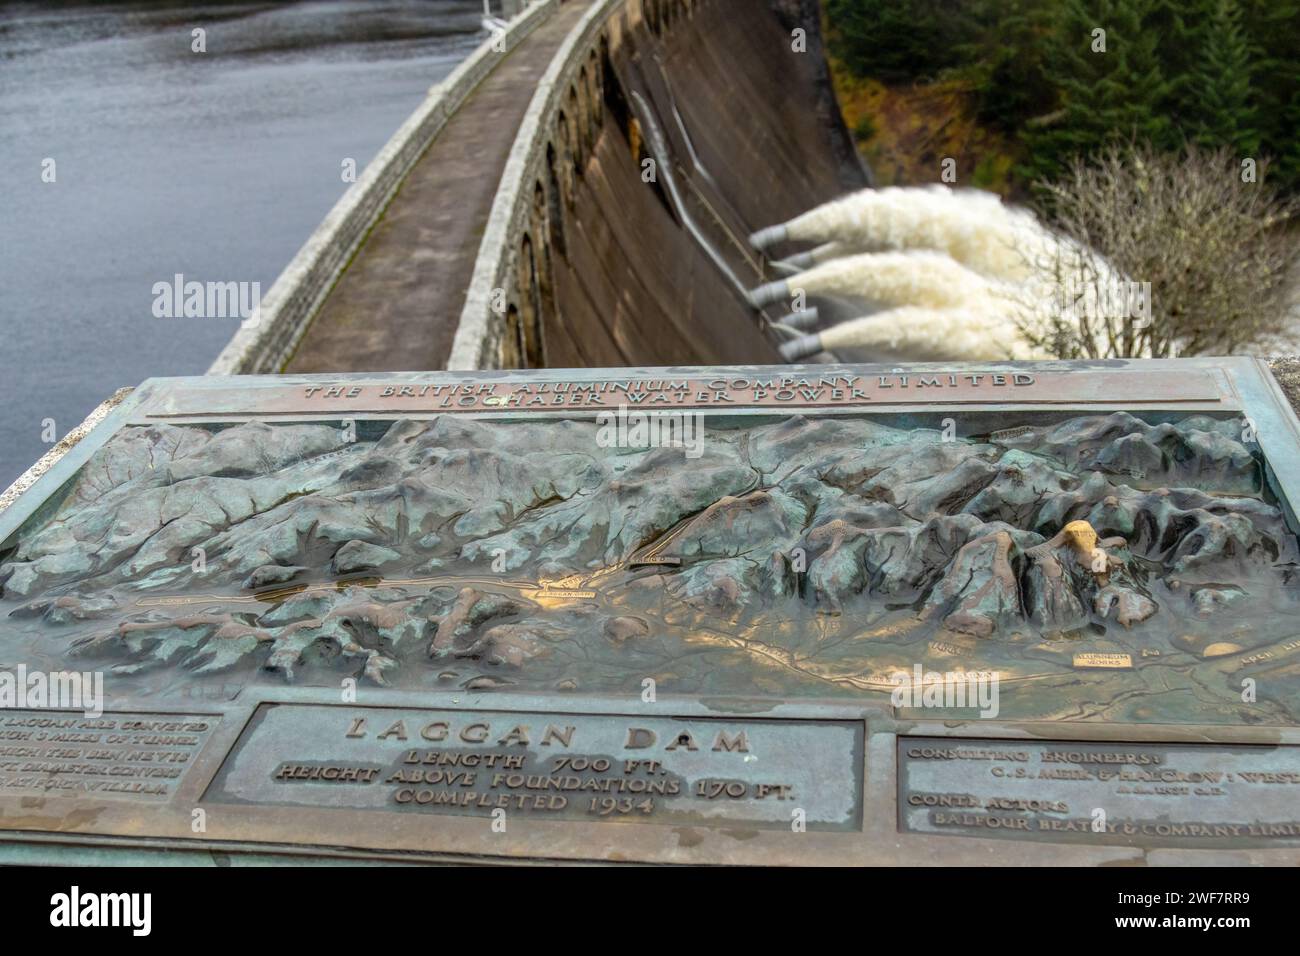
point(1204, 258)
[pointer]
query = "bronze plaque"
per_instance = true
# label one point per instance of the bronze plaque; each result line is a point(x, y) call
point(663, 615)
point(1123, 793)
point(754, 388)
point(761, 773)
point(124, 756)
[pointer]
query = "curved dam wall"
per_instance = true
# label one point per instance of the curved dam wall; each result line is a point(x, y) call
point(663, 133)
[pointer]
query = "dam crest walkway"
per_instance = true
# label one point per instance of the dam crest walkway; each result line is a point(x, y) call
point(396, 305)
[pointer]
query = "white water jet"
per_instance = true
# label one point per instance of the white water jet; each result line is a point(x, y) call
point(924, 334)
point(940, 258)
point(950, 310)
point(973, 227)
point(894, 278)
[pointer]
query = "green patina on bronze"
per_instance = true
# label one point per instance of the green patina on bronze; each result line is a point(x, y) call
point(808, 557)
point(307, 619)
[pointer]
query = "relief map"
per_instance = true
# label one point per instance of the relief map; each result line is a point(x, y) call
point(1105, 567)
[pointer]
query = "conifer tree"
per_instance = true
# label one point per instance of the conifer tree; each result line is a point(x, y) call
point(1106, 64)
point(1221, 83)
point(1005, 56)
point(1273, 31)
point(895, 39)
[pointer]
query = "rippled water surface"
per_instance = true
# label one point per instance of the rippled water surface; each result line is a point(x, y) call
point(214, 165)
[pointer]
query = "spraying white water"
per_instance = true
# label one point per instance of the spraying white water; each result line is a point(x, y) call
point(970, 226)
point(887, 279)
point(971, 277)
point(928, 334)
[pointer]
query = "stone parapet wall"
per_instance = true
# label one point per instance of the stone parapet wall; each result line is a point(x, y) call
point(269, 339)
point(563, 117)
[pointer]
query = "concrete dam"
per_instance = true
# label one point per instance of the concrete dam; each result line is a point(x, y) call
point(497, 535)
point(579, 192)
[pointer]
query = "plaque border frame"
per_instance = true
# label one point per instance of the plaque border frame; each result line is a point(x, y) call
point(116, 831)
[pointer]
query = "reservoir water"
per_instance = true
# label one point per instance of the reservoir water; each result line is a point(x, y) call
point(215, 165)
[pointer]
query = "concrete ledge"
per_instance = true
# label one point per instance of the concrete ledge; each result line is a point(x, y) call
point(64, 445)
point(288, 307)
point(478, 334)
point(1286, 370)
